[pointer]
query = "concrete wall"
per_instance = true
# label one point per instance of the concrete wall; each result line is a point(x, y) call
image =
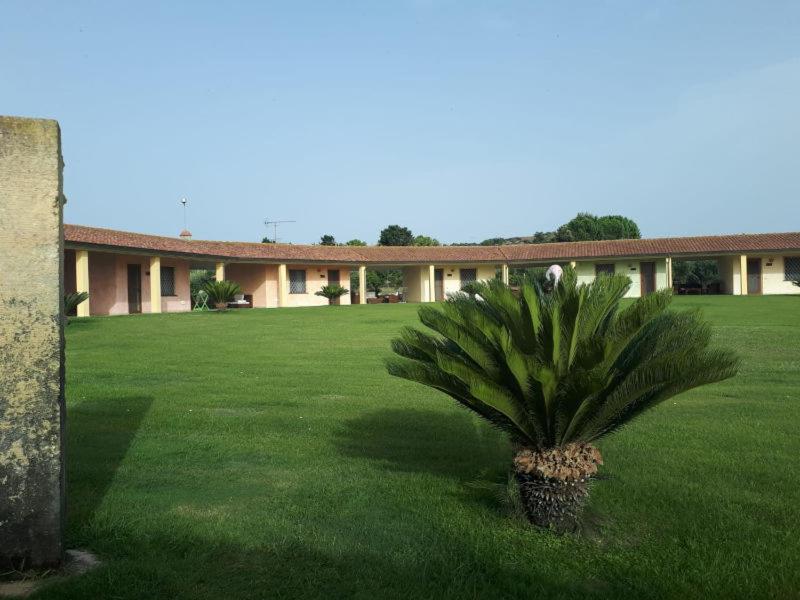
point(108, 282)
point(772, 276)
point(728, 268)
point(32, 408)
point(316, 278)
point(252, 278)
point(416, 282)
point(585, 271)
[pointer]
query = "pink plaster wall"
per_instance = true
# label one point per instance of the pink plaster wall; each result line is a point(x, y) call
point(252, 278)
point(108, 282)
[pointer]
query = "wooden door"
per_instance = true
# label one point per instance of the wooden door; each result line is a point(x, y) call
point(753, 275)
point(647, 273)
point(438, 284)
point(134, 289)
point(334, 279)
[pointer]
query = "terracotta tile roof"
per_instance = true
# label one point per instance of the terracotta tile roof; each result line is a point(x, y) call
point(699, 245)
point(78, 235)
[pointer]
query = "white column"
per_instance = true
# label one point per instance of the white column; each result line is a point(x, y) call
point(155, 284)
point(743, 274)
point(431, 283)
point(220, 271)
point(504, 273)
point(82, 280)
point(362, 284)
point(283, 286)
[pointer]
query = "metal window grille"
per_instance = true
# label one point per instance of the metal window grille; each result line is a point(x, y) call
point(791, 268)
point(469, 276)
point(167, 281)
point(604, 269)
point(297, 281)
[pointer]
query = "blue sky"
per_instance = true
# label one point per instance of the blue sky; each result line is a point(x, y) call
point(459, 120)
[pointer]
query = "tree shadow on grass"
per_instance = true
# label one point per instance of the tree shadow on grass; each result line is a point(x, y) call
point(99, 434)
point(447, 444)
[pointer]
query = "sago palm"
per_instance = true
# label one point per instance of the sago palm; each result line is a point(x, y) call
point(558, 371)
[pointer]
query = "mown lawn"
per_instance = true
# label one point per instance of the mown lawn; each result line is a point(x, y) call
point(266, 454)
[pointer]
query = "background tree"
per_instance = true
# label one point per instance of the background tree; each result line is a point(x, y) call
point(424, 240)
point(617, 227)
point(355, 242)
point(695, 273)
point(395, 235)
point(266, 240)
point(327, 240)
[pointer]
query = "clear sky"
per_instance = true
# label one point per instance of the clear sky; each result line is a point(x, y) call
point(460, 120)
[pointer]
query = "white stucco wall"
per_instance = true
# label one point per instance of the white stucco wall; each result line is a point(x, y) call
point(772, 276)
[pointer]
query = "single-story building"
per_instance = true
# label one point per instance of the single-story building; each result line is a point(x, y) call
point(132, 273)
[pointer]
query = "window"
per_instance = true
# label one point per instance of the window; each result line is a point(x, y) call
point(167, 281)
point(604, 269)
point(297, 281)
point(791, 268)
point(469, 276)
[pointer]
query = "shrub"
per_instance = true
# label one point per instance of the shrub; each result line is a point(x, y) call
point(332, 292)
point(71, 302)
point(558, 371)
point(222, 292)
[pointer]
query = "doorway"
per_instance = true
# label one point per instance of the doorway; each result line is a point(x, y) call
point(134, 289)
point(754, 276)
point(334, 278)
point(438, 284)
point(647, 272)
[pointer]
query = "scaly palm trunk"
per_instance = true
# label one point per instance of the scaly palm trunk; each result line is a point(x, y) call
point(554, 483)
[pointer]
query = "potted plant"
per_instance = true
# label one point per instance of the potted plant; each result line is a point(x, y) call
point(332, 292)
point(222, 292)
point(558, 371)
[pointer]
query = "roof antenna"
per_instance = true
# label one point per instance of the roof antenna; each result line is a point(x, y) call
point(275, 224)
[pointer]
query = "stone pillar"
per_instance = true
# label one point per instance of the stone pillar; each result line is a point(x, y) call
point(220, 271)
point(82, 280)
point(504, 273)
point(431, 283)
point(155, 284)
point(362, 284)
point(31, 344)
point(283, 286)
point(743, 275)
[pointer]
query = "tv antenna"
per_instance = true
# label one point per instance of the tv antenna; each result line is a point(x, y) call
point(184, 201)
point(275, 224)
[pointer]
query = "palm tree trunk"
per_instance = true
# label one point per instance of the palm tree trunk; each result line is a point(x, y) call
point(554, 483)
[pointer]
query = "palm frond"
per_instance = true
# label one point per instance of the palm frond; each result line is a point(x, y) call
point(561, 366)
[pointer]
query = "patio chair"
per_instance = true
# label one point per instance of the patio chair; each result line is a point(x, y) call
point(201, 300)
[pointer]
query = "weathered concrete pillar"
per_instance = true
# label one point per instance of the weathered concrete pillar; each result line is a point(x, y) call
point(155, 284)
point(82, 280)
point(31, 344)
point(362, 284)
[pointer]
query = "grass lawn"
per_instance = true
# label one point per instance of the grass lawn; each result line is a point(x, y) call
point(266, 453)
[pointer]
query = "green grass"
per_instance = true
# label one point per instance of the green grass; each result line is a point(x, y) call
point(266, 453)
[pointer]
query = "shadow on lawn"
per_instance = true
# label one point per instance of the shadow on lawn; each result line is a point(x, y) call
point(448, 444)
point(99, 434)
point(163, 567)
